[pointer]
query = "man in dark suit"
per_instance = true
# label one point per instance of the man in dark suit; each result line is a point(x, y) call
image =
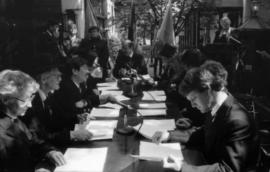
point(228, 138)
point(94, 43)
point(73, 100)
point(21, 149)
point(128, 60)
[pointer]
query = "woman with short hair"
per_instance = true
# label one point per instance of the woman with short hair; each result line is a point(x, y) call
point(20, 150)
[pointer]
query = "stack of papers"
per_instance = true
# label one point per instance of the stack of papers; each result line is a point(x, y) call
point(83, 160)
point(157, 152)
point(102, 112)
point(101, 129)
point(152, 106)
point(149, 127)
point(152, 112)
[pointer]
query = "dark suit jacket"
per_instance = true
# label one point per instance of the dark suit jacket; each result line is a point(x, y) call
point(229, 140)
point(20, 150)
point(41, 120)
point(136, 62)
point(99, 46)
point(64, 103)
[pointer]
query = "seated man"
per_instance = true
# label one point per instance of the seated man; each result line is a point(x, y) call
point(73, 100)
point(20, 150)
point(40, 118)
point(228, 137)
point(129, 62)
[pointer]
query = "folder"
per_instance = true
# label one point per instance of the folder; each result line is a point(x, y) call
point(84, 160)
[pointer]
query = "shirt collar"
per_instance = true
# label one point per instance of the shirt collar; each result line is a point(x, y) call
point(12, 118)
point(221, 97)
point(42, 95)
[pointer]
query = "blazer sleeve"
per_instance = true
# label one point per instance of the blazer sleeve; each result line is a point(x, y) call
point(235, 152)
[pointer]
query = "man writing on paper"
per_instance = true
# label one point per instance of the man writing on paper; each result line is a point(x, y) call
point(228, 137)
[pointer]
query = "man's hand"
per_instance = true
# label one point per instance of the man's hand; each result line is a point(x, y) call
point(81, 104)
point(81, 135)
point(184, 123)
point(42, 170)
point(56, 157)
point(172, 162)
point(160, 136)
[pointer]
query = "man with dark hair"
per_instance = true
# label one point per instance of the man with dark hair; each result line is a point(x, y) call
point(95, 43)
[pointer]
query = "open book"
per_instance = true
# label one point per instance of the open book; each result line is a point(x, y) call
point(157, 152)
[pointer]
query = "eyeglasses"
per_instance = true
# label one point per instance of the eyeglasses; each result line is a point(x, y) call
point(26, 100)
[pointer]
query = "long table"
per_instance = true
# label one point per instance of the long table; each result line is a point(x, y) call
point(122, 146)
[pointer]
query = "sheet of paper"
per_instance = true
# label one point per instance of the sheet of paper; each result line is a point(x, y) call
point(111, 88)
point(103, 112)
point(110, 106)
point(157, 152)
point(149, 127)
point(152, 106)
point(84, 160)
point(101, 129)
point(154, 95)
point(122, 98)
point(107, 84)
point(147, 96)
point(152, 112)
point(114, 93)
point(157, 93)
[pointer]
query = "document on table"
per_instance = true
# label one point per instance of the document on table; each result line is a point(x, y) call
point(149, 127)
point(114, 92)
point(152, 112)
point(110, 106)
point(157, 152)
point(107, 84)
point(102, 112)
point(101, 129)
point(122, 98)
point(152, 106)
point(84, 160)
point(154, 95)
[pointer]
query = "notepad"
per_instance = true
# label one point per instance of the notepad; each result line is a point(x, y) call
point(110, 106)
point(152, 112)
point(101, 129)
point(84, 160)
point(157, 152)
point(152, 106)
point(102, 112)
point(149, 127)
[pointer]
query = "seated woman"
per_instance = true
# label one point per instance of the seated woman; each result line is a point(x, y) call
point(20, 150)
point(228, 137)
point(128, 61)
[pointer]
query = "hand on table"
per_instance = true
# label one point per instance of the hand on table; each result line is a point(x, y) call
point(81, 135)
point(172, 162)
point(57, 157)
point(160, 136)
point(42, 170)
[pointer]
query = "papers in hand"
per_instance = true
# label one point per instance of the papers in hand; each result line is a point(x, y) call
point(83, 160)
point(152, 112)
point(152, 106)
point(102, 112)
point(157, 152)
point(149, 127)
